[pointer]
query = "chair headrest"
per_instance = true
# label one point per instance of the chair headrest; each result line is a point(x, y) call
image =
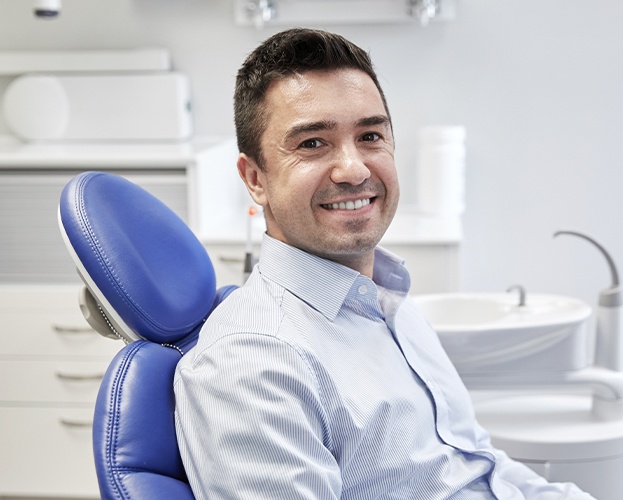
point(142, 264)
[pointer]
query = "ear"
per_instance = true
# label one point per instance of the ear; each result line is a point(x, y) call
point(253, 178)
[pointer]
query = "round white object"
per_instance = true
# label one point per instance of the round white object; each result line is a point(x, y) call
point(36, 107)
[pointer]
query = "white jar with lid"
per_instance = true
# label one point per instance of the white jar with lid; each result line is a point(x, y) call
point(440, 177)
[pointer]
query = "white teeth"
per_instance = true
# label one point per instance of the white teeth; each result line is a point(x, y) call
point(349, 205)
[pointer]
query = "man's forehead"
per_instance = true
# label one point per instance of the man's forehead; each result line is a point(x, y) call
point(322, 85)
point(302, 80)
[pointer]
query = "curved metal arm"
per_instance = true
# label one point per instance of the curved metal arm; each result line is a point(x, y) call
point(613, 269)
point(522, 294)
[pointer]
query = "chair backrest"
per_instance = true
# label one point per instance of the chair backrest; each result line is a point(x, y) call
point(149, 281)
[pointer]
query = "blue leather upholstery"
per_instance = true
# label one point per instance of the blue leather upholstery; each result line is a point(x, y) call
point(150, 282)
point(143, 258)
point(134, 440)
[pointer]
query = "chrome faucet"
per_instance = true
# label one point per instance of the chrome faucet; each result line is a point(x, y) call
point(522, 294)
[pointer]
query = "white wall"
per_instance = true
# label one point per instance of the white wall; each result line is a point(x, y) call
point(537, 83)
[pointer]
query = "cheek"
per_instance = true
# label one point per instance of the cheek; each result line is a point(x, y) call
point(282, 194)
point(391, 177)
point(299, 185)
point(387, 170)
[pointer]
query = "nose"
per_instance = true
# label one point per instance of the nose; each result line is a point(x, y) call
point(349, 166)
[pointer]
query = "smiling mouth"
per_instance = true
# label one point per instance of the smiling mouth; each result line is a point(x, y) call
point(348, 205)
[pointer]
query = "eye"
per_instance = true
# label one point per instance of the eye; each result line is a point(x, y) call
point(311, 144)
point(370, 137)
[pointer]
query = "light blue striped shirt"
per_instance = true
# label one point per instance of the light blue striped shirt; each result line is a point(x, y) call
point(315, 382)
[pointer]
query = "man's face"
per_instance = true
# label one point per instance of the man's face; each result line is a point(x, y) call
point(329, 184)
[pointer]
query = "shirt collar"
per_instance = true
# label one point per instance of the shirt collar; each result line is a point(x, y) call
point(325, 284)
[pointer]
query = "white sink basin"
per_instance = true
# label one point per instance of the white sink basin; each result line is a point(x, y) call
point(491, 333)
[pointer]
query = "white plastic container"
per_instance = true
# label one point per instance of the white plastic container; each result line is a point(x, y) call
point(87, 107)
point(440, 178)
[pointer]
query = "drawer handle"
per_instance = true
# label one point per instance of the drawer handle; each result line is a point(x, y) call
point(73, 330)
point(75, 423)
point(80, 377)
point(228, 259)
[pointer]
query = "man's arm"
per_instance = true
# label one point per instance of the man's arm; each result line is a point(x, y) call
point(251, 424)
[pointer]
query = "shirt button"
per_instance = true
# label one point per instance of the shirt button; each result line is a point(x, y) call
point(363, 289)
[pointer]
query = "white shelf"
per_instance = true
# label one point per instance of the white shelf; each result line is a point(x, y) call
point(16, 62)
point(84, 155)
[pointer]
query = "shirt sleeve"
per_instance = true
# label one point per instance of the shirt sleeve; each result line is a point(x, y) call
point(251, 423)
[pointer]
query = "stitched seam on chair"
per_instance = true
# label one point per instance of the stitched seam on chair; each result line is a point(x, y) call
point(98, 250)
point(97, 247)
point(90, 234)
point(173, 346)
point(113, 423)
point(121, 470)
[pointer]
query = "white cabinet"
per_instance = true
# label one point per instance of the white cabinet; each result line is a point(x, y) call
point(51, 364)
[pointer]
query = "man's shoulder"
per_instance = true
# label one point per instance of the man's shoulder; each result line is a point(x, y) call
point(251, 318)
point(254, 308)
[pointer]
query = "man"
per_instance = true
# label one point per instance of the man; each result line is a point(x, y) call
point(318, 379)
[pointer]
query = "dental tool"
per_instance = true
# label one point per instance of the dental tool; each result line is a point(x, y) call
point(249, 260)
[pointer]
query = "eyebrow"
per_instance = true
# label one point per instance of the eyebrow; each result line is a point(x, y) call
point(321, 125)
point(373, 120)
point(305, 128)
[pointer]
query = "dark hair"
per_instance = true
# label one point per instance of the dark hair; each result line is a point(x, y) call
point(289, 52)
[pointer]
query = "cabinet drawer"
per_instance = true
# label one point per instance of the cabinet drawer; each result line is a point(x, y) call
point(38, 298)
point(50, 381)
point(52, 334)
point(46, 452)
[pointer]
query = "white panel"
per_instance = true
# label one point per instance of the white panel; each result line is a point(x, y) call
point(53, 334)
point(434, 268)
point(31, 247)
point(221, 200)
point(47, 452)
point(65, 382)
point(102, 107)
point(20, 299)
point(600, 478)
point(24, 61)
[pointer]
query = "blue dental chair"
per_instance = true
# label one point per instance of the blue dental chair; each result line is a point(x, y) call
point(150, 282)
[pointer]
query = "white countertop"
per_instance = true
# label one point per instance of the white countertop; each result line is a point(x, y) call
point(17, 154)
